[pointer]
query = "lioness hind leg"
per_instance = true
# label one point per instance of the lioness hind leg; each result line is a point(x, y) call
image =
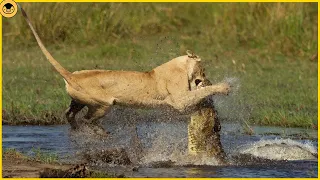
point(93, 115)
point(96, 112)
point(71, 112)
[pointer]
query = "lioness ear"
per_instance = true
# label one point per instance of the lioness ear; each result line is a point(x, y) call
point(190, 53)
point(193, 55)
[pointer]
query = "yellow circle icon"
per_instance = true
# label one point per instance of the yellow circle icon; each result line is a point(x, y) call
point(8, 8)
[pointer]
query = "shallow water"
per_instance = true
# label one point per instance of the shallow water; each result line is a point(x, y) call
point(249, 156)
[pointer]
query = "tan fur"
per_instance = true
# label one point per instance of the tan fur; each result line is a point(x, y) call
point(168, 85)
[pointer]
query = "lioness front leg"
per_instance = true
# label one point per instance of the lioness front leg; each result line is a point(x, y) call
point(185, 100)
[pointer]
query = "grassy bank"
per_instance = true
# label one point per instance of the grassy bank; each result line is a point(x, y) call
point(266, 46)
point(38, 155)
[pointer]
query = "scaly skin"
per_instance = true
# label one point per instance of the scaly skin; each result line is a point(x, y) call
point(203, 131)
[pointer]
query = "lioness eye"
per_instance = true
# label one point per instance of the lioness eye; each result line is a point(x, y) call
point(197, 81)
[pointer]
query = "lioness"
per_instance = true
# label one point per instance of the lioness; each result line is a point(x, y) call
point(168, 85)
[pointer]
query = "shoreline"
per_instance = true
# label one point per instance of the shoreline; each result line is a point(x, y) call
point(18, 165)
point(39, 122)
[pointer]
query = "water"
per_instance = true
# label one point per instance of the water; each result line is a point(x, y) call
point(47, 138)
point(271, 152)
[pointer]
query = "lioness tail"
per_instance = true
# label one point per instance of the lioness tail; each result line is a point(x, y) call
point(62, 71)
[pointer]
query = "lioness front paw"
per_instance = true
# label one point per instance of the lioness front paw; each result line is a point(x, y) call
point(224, 88)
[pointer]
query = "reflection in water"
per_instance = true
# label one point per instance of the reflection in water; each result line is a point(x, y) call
point(196, 172)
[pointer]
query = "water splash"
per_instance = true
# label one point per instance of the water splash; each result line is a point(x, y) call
point(232, 108)
point(234, 83)
point(167, 142)
point(280, 149)
point(177, 154)
point(163, 139)
point(164, 144)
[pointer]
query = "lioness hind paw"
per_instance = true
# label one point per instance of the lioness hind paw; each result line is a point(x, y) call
point(98, 130)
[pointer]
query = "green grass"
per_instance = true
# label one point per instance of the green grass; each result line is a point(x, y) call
point(289, 28)
point(266, 46)
point(37, 155)
point(45, 157)
point(12, 153)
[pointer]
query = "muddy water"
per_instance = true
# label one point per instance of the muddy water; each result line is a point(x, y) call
point(270, 152)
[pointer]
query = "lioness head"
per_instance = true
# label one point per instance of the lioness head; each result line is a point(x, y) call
point(196, 73)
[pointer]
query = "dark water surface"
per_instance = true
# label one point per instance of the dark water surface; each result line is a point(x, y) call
point(271, 152)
